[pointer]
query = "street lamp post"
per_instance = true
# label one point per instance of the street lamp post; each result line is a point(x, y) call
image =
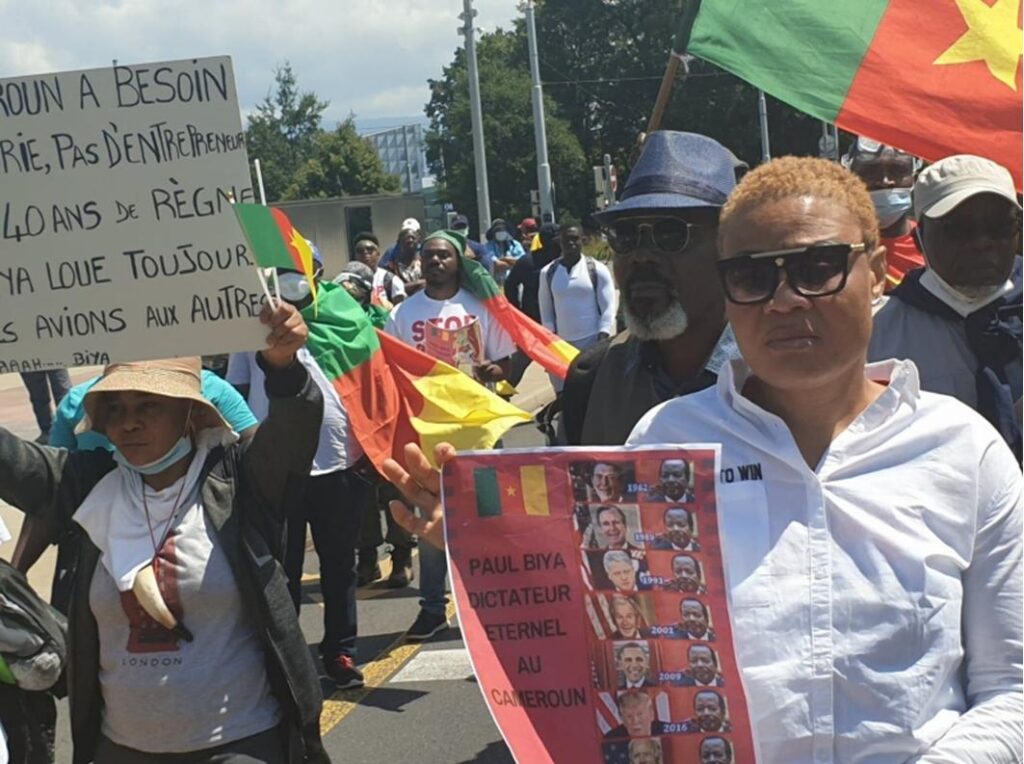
point(547, 209)
point(483, 194)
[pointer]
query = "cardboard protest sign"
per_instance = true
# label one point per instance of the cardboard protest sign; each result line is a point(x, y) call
point(591, 594)
point(117, 240)
point(461, 347)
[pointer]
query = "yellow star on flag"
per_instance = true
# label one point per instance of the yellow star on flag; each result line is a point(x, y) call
point(306, 255)
point(511, 491)
point(992, 36)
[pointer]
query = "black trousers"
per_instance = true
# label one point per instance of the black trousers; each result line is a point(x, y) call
point(332, 506)
point(263, 748)
point(377, 498)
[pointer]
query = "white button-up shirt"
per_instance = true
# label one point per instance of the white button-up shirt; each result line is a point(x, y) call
point(876, 601)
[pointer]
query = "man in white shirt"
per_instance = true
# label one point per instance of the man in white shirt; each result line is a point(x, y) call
point(873, 560)
point(577, 295)
point(330, 501)
point(443, 298)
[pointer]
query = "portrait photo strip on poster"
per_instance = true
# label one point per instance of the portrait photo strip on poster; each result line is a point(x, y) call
point(592, 598)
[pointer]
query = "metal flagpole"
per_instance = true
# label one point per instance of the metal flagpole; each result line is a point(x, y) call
point(483, 194)
point(547, 209)
point(762, 115)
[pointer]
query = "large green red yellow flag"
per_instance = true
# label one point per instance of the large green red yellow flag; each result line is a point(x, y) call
point(540, 344)
point(394, 394)
point(933, 78)
point(274, 241)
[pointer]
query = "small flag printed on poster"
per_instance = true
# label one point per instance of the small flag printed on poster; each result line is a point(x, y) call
point(512, 491)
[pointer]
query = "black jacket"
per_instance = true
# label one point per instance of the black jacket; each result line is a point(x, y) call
point(243, 491)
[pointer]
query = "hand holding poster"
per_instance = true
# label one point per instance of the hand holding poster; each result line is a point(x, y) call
point(117, 239)
point(592, 598)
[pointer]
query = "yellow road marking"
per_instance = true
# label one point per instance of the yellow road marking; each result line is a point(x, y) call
point(375, 674)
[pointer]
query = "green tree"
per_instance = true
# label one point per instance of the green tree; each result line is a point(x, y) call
point(340, 163)
point(605, 60)
point(283, 131)
point(508, 134)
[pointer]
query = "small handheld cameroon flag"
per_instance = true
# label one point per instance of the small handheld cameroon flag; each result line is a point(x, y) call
point(512, 491)
point(275, 242)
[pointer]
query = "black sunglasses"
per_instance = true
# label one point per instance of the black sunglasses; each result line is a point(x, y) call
point(670, 235)
point(815, 271)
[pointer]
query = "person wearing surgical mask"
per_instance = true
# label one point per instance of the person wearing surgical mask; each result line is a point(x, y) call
point(889, 175)
point(329, 502)
point(183, 646)
point(502, 250)
point(959, 318)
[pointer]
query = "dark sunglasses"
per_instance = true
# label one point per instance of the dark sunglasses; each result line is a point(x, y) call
point(815, 271)
point(669, 235)
point(365, 250)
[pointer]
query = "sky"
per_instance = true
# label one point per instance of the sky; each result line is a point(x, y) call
point(368, 57)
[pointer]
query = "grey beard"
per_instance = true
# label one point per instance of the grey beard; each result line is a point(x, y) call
point(668, 324)
point(976, 291)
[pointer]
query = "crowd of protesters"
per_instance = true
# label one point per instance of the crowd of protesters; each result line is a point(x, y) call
point(855, 327)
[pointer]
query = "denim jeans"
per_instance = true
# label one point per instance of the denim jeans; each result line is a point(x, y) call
point(433, 572)
point(40, 384)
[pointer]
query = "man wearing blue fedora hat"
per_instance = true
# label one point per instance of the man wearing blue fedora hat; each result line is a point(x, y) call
point(663, 232)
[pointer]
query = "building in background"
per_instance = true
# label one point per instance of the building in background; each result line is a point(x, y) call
point(404, 153)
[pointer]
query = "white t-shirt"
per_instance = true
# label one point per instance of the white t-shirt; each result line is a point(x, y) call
point(381, 278)
point(570, 308)
point(338, 449)
point(162, 694)
point(408, 320)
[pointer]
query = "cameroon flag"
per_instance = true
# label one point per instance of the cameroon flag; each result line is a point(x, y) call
point(521, 490)
point(394, 394)
point(274, 241)
point(933, 78)
point(540, 344)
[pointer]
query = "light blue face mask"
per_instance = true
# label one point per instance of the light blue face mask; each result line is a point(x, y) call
point(177, 452)
point(890, 204)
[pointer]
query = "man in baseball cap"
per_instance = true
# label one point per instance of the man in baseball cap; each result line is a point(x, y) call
point(959, 317)
point(663, 232)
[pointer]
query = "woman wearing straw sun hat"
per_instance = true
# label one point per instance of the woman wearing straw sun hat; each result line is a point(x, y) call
point(183, 641)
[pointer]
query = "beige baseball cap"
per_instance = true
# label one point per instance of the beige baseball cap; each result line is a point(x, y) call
point(410, 224)
point(942, 186)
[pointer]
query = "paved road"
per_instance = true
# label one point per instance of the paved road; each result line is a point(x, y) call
point(421, 702)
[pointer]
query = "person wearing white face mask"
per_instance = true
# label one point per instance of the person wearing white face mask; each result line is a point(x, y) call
point(502, 250)
point(959, 318)
point(889, 175)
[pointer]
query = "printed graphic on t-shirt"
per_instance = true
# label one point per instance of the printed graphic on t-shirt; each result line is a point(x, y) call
point(462, 348)
point(448, 323)
point(145, 635)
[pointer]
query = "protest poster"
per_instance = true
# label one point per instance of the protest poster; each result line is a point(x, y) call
point(461, 346)
point(117, 240)
point(591, 594)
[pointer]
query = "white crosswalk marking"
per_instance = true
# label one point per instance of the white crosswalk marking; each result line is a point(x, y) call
point(432, 665)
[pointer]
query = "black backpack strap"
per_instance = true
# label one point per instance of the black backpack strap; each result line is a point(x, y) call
point(552, 267)
point(576, 393)
point(592, 272)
